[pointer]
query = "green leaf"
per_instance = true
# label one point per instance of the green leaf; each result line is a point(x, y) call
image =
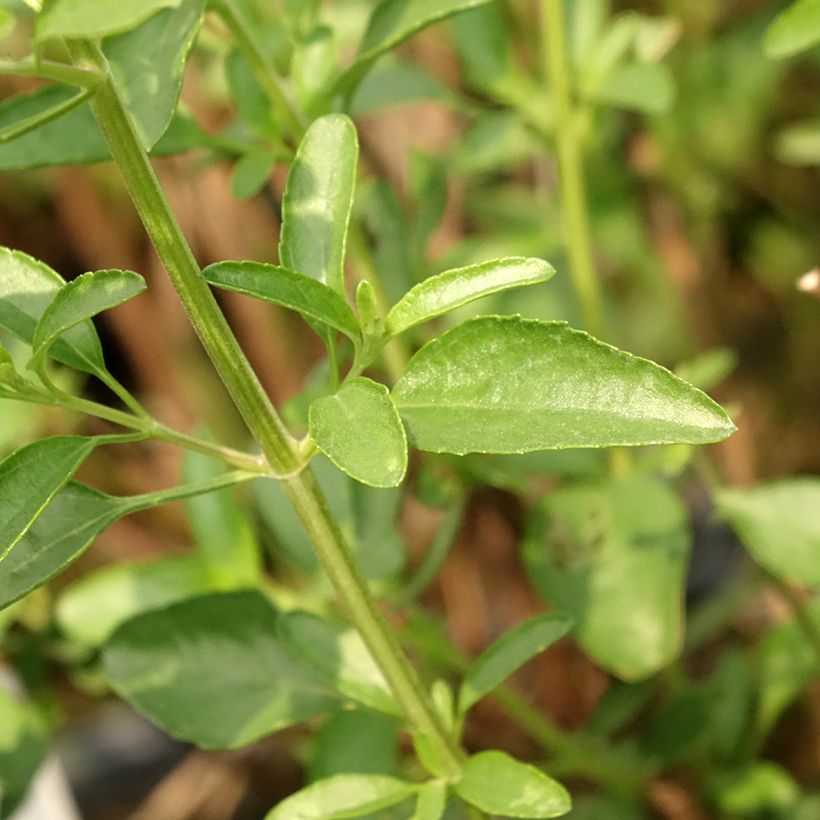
point(346, 795)
point(794, 30)
point(79, 300)
point(431, 801)
point(94, 18)
point(512, 650)
point(251, 173)
point(29, 478)
point(23, 745)
point(317, 201)
point(339, 656)
point(779, 523)
point(26, 289)
point(90, 610)
point(614, 558)
point(296, 291)
point(446, 291)
point(251, 101)
point(211, 670)
point(396, 82)
point(639, 86)
point(498, 784)
point(510, 385)
point(359, 430)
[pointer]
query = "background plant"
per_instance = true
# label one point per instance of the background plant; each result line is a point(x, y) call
point(607, 545)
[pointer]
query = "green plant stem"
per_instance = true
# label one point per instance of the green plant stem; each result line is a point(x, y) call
point(18, 129)
point(183, 491)
point(51, 70)
point(570, 166)
point(263, 421)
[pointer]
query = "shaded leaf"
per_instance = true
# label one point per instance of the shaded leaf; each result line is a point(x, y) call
point(359, 430)
point(506, 654)
point(446, 291)
point(318, 199)
point(779, 523)
point(94, 18)
point(251, 173)
point(638, 86)
point(505, 385)
point(497, 783)
point(342, 796)
point(211, 670)
point(794, 30)
point(289, 288)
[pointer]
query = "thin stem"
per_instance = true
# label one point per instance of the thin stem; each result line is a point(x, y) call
point(18, 129)
point(277, 444)
point(570, 166)
point(50, 70)
point(801, 613)
point(183, 491)
point(122, 394)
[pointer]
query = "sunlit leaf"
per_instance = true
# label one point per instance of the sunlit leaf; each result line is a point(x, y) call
point(794, 30)
point(94, 18)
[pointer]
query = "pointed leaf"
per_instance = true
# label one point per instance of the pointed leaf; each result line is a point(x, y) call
point(446, 291)
point(26, 289)
point(794, 30)
point(339, 656)
point(614, 558)
point(779, 523)
point(512, 650)
point(293, 290)
point(431, 801)
point(94, 18)
point(211, 670)
point(342, 796)
point(317, 201)
point(78, 301)
point(510, 385)
point(359, 430)
point(499, 784)
point(29, 478)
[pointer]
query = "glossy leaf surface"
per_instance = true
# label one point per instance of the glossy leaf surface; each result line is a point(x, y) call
point(26, 289)
point(506, 654)
point(94, 18)
point(211, 670)
point(614, 558)
point(779, 523)
point(359, 430)
point(289, 288)
point(497, 783)
point(446, 291)
point(79, 300)
point(318, 199)
point(794, 30)
point(342, 796)
point(510, 385)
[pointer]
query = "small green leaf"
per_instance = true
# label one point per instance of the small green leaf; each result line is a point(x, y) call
point(510, 385)
point(346, 795)
point(94, 18)
point(446, 291)
point(251, 173)
point(211, 670)
point(29, 478)
point(779, 523)
point(431, 801)
point(499, 784)
point(639, 86)
point(296, 291)
point(26, 289)
point(318, 199)
point(512, 650)
point(91, 609)
point(78, 301)
point(614, 558)
point(339, 656)
point(794, 30)
point(359, 430)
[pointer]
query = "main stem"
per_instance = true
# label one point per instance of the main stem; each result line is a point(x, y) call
point(262, 420)
point(569, 148)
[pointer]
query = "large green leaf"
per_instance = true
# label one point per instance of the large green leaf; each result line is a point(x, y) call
point(779, 523)
point(359, 430)
point(29, 478)
point(499, 784)
point(446, 291)
point(318, 199)
point(291, 289)
point(342, 796)
point(94, 18)
point(794, 30)
point(614, 558)
point(78, 301)
point(26, 289)
point(211, 670)
point(512, 650)
point(510, 385)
